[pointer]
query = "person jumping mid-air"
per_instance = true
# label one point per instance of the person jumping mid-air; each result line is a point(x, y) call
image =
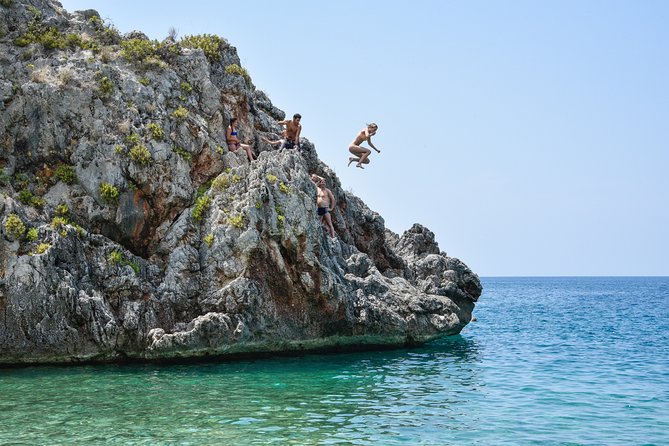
point(362, 153)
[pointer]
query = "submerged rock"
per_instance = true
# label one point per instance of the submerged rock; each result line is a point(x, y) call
point(145, 238)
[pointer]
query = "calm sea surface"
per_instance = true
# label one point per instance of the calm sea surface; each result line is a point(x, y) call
point(550, 361)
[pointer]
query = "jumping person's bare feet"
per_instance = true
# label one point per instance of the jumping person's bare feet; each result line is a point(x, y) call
point(350, 160)
point(359, 165)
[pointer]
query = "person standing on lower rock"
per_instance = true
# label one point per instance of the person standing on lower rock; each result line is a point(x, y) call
point(293, 130)
point(325, 202)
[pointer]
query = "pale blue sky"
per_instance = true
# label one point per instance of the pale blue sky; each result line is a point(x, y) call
point(530, 136)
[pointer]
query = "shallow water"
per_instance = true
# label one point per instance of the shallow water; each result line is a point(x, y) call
point(550, 361)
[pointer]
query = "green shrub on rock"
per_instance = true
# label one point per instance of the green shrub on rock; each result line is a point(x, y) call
point(66, 173)
point(109, 192)
point(140, 154)
point(14, 227)
point(201, 207)
point(239, 71)
point(209, 43)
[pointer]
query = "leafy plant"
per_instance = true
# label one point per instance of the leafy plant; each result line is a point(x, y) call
point(271, 178)
point(31, 235)
point(140, 154)
point(283, 187)
point(117, 258)
point(156, 131)
point(201, 207)
point(180, 113)
point(109, 192)
point(66, 173)
point(138, 50)
point(235, 69)
point(221, 182)
point(183, 153)
point(41, 248)
point(237, 221)
point(26, 196)
point(14, 227)
point(210, 44)
point(62, 210)
point(209, 239)
point(105, 87)
point(144, 81)
point(58, 222)
point(186, 87)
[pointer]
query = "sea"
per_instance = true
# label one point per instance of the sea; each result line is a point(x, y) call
point(548, 361)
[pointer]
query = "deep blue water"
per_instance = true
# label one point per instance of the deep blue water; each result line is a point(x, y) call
point(550, 361)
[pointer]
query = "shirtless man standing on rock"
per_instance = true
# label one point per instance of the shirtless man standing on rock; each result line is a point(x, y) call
point(325, 202)
point(293, 129)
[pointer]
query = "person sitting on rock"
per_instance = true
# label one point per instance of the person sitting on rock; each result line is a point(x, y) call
point(293, 130)
point(325, 203)
point(234, 143)
point(362, 153)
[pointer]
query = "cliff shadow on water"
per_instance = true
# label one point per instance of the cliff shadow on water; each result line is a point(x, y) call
point(130, 231)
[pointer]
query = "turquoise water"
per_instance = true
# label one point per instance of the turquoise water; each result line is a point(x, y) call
point(550, 361)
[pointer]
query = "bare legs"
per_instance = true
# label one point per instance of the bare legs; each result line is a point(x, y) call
point(361, 155)
point(247, 148)
point(326, 220)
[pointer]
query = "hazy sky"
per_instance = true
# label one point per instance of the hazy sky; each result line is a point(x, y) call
point(532, 137)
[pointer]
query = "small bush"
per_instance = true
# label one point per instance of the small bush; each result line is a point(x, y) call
point(180, 113)
point(62, 210)
point(105, 87)
point(271, 178)
point(235, 69)
point(237, 221)
point(14, 227)
point(183, 153)
point(6, 3)
point(116, 257)
point(66, 173)
point(132, 139)
point(138, 50)
point(41, 248)
point(210, 44)
point(140, 154)
point(156, 131)
point(109, 192)
point(144, 81)
point(283, 187)
point(58, 222)
point(209, 239)
point(31, 235)
point(186, 87)
point(221, 182)
point(26, 196)
point(201, 207)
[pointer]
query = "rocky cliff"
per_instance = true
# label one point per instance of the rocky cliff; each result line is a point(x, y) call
point(129, 231)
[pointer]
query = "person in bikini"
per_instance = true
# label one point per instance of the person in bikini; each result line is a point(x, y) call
point(233, 140)
point(325, 203)
point(362, 153)
point(293, 130)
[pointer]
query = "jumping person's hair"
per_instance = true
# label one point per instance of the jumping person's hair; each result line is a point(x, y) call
point(232, 120)
point(297, 115)
point(373, 124)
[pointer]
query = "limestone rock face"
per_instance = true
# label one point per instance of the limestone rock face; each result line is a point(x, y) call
point(130, 231)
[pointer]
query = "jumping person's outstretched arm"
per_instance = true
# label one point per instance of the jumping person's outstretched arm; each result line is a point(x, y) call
point(369, 141)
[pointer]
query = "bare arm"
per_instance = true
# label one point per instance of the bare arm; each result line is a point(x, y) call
point(297, 135)
point(369, 141)
point(332, 200)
